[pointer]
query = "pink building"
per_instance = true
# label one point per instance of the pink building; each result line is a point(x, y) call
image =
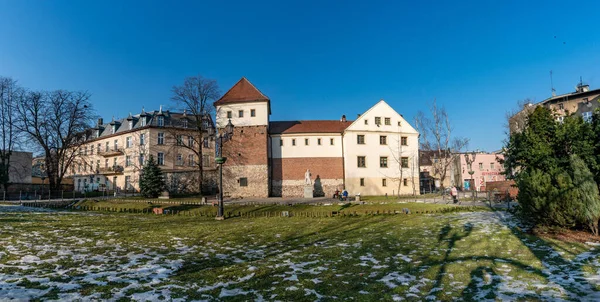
point(485, 166)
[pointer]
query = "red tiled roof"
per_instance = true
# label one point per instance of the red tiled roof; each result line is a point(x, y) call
point(308, 127)
point(242, 92)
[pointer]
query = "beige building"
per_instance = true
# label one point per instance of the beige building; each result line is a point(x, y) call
point(113, 154)
point(431, 166)
point(582, 102)
point(19, 170)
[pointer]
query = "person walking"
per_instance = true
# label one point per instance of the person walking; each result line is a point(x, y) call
point(454, 194)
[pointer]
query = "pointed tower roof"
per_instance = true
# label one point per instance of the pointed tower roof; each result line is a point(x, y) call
point(242, 92)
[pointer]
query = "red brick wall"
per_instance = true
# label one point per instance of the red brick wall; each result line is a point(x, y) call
point(248, 146)
point(503, 186)
point(294, 168)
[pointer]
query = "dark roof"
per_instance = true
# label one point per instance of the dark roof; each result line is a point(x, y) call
point(242, 92)
point(330, 126)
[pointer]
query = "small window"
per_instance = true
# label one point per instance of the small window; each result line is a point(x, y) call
point(306, 141)
point(318, 141)
point(116, 143)
point(331, 141)
point(143, 121)
point(179, 139)
point(190, 141)
point(383, 162)
point(492, 166)
point(142, 139)
point(179, 159)
point(388, 121)
point(366, 121)
point(205, 143)
point(142, 159)
point(587, 116)
point(161, 121)
point(383, 140)
point(561, 106)
point(377, 120)
point(107, 148)
point(405, 182)
point(160, 159)
point(281, 142)
point(384, 182)
point(252, 112)
point(243, 182)
point(127, 161)
point(480, 166)
point(362, 182)
point(184, 123)
point(161, 139)
point(229, 114)
point(404, 141)
point(399, 124)
point(361, 162)
point(191, 162)
point(360, 139)
point(293, 141)
point(241, 113)
point(404, 162)
point(130, 124)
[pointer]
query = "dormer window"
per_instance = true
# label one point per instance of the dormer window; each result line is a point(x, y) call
point(184, 123)
point(143, 121)
point(114, 129)
point(205, 124)
point(130, 124)
point(97, 133)
point(161, 121)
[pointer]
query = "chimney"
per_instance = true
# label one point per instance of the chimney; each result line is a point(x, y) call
point(100, 121)
point(343, 118)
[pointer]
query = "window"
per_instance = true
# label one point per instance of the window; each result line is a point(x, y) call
point(127, 161)
point(204, 124)
point(383, 163)
point(361, 162)
point(388, 121)
point(179, 159)
point(383, 140)
point(252, 112)
point(97, 164)
point(366, 121)
point(106, 163)
point(190, 141)
point(84, 167)
point(116, 145)
point(97, 133)
point(492, 166)
point(360, 139)
point(142, 159)
point(179, 139)
point(241, 113)
point(318, 141)
point(399, 124)
point(243, 182)
point(113, 129)
point(405, 182)
point(130, 124)
point(404, 141)
point(362, 182)
point(161, 121)
point(191, 162)
point(205, 160)
point(293, 141)
point(331, 141)
point(161, 138)
point(587, 116)
point(561, 106)
point(404, 162)
point(128, 142)
point(384, 182)
point(480, 166)
point(114, 162)
point(91, 150)
point(184, 123)
point(160, 159)
point(377, 120)
point(306, 141)
point(127, 182)
point(98, 148)
point(281, 142)
point(229, 114)
point(142, 139)
point(85, 150)
point(205, 142)
point(143, 121)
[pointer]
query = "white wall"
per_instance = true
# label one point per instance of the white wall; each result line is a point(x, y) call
point(261, 118)
point(302, 150)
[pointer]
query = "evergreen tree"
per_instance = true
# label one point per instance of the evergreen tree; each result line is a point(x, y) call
point(587, 200)
point(152, 182)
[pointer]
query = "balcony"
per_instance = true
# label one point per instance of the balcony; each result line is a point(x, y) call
point(111, 152)
point(111, 170)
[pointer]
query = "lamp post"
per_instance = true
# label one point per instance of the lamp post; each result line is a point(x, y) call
point(220, 161)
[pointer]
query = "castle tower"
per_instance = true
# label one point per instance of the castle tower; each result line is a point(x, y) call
point(246, 172)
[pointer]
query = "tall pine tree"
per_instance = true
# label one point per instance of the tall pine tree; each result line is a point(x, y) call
point(152, 182)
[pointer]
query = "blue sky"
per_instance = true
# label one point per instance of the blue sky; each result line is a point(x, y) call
point(314, 59)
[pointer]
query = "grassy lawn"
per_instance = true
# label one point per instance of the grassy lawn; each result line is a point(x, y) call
point(479, 255)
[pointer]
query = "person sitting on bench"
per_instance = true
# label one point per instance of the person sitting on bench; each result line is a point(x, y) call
point(345, 195)
point(336, 194)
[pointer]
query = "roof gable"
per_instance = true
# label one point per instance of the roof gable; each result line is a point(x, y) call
point(242, 92)
point(382, 110)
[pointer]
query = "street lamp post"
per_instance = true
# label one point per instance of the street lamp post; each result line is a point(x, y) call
point(220, 161)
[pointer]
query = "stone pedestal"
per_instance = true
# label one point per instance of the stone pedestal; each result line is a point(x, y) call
point(308, 191)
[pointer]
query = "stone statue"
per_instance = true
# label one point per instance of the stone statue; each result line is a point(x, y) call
point(307, 177)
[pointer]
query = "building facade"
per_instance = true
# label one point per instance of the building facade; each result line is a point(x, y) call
point(376, 154)
point(112, 155)
point(431, 165)
point(486, 167)
point(582, 102)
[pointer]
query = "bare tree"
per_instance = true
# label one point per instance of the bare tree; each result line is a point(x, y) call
point(436, 135)
point(196, 97)
point(516, 118)
point(9, 91)
point(55, 123)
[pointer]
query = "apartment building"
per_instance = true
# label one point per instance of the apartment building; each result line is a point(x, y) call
point(485, 167)
point(112, 155)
